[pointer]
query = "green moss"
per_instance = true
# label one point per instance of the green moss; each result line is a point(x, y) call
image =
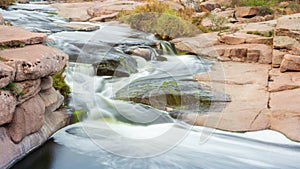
point(60, 84)
point(14, 89)
point(265, 34)
point(78, 115)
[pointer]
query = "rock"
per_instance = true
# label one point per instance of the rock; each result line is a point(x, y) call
point(193, 4)
point(15, 36)
point(13, 152)
point(1, 19)
point(290, 62)
point(27, 89)
point(289, 25)
point(23, 1)
point(46, 82)
point(28, 118)
point(285, 42)
point(105, 18)
point(164, 93)
point(243, 82)
point(116, 65)
point(52, 99)
point(7, 106)
point(246, 12)
point(209, 6)
point(227, 13)
point(33, 62)
point(81, 27)
point(266, 27)
point(147, 53)
point(286, 122)
point(240, 38)
point(277, 58)
point(283, 81)
point(109, 7)
point(6, 74)
point(280, 100)
point(75, 12)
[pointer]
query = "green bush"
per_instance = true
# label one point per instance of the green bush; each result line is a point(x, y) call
point(5, 3)
point(264, 10)
point(254, 2)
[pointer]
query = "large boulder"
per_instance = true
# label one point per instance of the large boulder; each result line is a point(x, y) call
point(7, 106)
point(290, 62)
point(33, 62)
point(209, 6)
point(16, 36)
point(246, 12)
point(28, 118)
point(287, 43)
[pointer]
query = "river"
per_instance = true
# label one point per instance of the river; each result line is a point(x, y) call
point(122, 134)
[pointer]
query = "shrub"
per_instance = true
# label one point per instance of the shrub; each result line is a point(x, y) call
point(218, 22)
point(5, 3)
point(264, 10)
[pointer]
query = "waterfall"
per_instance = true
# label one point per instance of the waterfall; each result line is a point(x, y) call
point(167, 48)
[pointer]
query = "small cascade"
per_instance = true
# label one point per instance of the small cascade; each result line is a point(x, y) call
point(167, 48)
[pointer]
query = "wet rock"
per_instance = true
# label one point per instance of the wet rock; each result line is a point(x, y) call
point(16, 36)
point(246, 12)
point(27, 89)
point(6, 74)
point(162, 93)
point(28, 118)
point(116, 65)
point(7, 106)
point(147, 53)
point(105, 18)
point(46, 82)
point(52, 99)
point(1, 19)
point(290, 62)
point(33, 62)
point(81, 27)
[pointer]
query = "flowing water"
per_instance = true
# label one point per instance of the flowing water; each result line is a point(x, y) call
point(122, 134)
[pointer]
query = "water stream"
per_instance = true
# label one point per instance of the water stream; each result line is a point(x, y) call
point(122, 134)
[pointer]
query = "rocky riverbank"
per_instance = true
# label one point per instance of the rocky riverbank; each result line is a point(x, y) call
point(29, 104)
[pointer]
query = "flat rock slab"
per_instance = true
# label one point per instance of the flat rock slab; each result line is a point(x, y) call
point(35, 61)
point(283, 81)
point(289, 25)
point(240, 38)
point(246, 84)
point(81, 27)
point(11, 36)
point(76, 12)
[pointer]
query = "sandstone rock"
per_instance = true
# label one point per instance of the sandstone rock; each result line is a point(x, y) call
point(290, 62)
point(285, 42)
point(6, 74)
point(28, 118)
point(13, 152)
point(7, 106)
point(289, 25)
point(240, 38)
point(109, 7)
point(75, 12)
point(81, 27)
point(146, 53)
point(287, 100)
point(283, 81)
point(246, 12)
point(277, 58)
point(105, 18)
point(46, 82)
point(266, 27)
point(16, 36)
point(52, 99)
point(33, 62)
point(227, 13)
point(1, 19)
point(286, 122)
point(243, 82)
point(209, 6)
point(27, 89)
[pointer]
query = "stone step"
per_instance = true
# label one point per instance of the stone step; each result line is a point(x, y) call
point(241, 38)
point(13, 36)
point(34, 61)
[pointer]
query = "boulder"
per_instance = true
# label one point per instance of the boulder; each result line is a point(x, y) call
point(290, 62)
point(105, 18)
point(81, 27)
point(27, 89)
point(28, 118)
point(52, 99)
point(240, 38)
point(287, 43)
point(283, 81)
point(209, 6)
point(246, 12)
point(7, 106)
point(46, 82)
point(6, 74)
point(277, 58)
point(147, 53)
point(289, 25)
point(14, 36)
point(33, 62)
